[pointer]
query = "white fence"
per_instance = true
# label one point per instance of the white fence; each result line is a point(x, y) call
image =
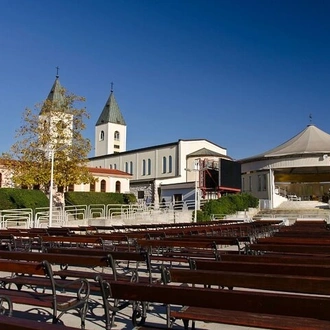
point(62, 216)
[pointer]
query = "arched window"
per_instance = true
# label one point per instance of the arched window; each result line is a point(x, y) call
point(170, 164)
point(149, 166)
point(117, 186)
point(92, 186)
point(103, 186)
point(144, 167)
point(116, 136)
point(164, 164)
point(131, 167)
point(126, 167)
point(101, 135)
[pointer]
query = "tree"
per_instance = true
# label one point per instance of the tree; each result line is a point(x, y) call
point(54, 126)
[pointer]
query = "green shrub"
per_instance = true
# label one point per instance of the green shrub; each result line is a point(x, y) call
point(14, 198)
point(228, 204)
point(90, 198)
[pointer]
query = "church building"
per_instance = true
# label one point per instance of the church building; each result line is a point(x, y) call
point(171, 172)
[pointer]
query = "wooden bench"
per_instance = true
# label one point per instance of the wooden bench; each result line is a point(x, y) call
point(279, 283)
point(113, 259)
point(70, 241)
point(59, 304)
point(290, 248)
point(262, 267)
point(278, 258)
point(246, 308)
point(294, 240)
point(102, 260)
point(18, 323)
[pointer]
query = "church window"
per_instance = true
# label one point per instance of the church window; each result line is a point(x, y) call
point(131, 167)
point(144, 167)
point(164, 164)
point(264, 182)
point(170, 164)
point(116, 136)
point(259, 182)
point(117, 186)
point(126, 167)
point(250, 183)
point(92, 186)
point(149, 166)
point(103, 186)
point(101, 135)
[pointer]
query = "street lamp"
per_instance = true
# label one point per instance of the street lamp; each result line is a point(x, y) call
point(196, 170)
point(51, 187)
point(52, 152)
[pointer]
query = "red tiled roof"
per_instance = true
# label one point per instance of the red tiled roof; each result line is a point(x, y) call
point(109, 171)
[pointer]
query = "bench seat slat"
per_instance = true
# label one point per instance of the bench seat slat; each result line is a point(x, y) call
point(250, 319)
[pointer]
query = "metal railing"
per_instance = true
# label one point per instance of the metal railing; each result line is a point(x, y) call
point(28, 218)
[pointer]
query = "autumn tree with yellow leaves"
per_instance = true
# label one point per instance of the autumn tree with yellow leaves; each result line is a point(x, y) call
point(53, 126)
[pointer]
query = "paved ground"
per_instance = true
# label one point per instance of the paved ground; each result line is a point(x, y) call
point(295, 205)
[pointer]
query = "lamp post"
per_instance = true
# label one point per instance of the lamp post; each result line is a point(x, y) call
point(196, 170)
point(196, 195)
point(51, 188)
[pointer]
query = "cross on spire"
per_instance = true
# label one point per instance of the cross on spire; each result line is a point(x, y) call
point(310, 118)
point(57, 69)
point(111, 89)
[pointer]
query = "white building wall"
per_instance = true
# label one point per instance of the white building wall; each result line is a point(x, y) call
point(178, 151)
point(110, 184)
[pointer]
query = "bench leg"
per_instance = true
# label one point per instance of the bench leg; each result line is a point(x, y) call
point(186, 324)
point(139, 313)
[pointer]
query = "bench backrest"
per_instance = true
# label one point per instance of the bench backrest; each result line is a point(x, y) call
point(298, 269)
point(271, 282)
point(292, 248)
point(256, 302)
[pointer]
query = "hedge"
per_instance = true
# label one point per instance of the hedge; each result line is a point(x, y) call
point(14, 198)
point(228, 204)
point(89, 198)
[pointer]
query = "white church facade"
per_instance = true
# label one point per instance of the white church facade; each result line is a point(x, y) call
point(169, 172)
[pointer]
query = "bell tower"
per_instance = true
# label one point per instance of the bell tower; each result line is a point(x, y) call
point(110, 129)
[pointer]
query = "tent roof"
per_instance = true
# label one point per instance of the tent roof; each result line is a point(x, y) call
point(311, 140)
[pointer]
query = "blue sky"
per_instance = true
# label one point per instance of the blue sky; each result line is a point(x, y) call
point(244, 74)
